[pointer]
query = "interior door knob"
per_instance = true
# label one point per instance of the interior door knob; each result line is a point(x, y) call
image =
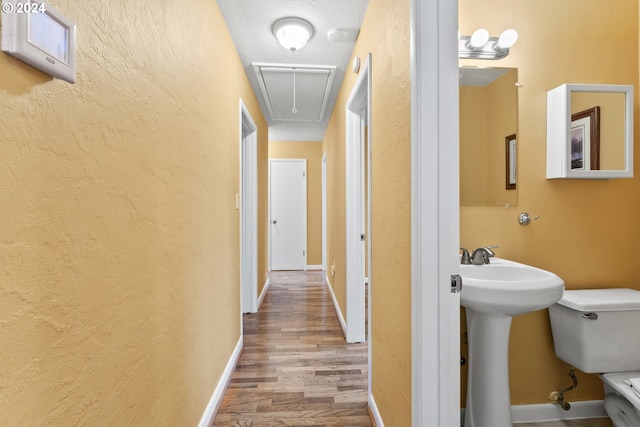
point(274, 221)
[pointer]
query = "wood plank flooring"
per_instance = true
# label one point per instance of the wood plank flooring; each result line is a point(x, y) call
point(296, 368)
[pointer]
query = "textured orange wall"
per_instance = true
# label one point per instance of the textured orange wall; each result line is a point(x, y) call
point(384, 33)
point(588, 230)
point(333, 145)
point(119, 239)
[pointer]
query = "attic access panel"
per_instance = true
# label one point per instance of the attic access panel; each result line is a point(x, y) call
point(304, 87)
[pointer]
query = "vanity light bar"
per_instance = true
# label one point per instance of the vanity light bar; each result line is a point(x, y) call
point(480, 46)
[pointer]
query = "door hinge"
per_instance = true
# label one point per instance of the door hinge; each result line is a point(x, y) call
point(456, 283)
point(304, 174)
point(304, 253)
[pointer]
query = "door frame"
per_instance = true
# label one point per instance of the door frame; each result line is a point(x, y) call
point(358, 116)
point(306, 202)
point(435, 213)
point(248, 205)
point(324, 211)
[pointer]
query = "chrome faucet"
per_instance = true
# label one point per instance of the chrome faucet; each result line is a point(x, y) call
point(465, 259)
point(481, 255)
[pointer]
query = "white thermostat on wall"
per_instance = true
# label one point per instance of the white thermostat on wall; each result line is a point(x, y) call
point(40, 36)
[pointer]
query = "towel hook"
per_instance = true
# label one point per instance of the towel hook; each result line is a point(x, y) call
point(524, 218)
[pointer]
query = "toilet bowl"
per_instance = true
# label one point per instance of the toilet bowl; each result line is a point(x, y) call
point(621, 411)
point(620, 402)
point(591, 331)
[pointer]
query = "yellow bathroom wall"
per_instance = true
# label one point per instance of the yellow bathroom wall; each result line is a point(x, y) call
point(587, 231)
point(384, 33)
point(312, 152)
point(119, 237)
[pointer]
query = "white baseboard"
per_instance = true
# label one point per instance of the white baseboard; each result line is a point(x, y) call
point(374, 412)
point(553, 412)
point(343, 324)
point(218, 393)
point(264, 292)
point(314, 267)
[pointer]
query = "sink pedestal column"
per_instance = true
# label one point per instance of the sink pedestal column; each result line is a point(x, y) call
point(488, 395)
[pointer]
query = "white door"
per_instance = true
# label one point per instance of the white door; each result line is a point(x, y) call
point(288, 214)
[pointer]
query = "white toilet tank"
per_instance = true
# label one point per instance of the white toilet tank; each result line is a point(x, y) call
point(598, 330)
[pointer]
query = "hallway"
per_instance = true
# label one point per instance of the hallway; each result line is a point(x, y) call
point(296, 368)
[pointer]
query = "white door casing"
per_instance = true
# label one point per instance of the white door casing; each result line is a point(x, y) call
point(248, 205)
point(288, 214)
point(324, 212)
point(358, 117)
point(435, 213)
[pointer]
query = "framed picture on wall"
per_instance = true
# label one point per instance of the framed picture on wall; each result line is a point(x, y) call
point(510, 150)
point(585, 139)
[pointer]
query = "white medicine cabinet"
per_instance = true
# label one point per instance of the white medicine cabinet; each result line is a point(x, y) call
point(590, 131)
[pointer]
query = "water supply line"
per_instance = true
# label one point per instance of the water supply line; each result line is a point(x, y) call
point(558, 397)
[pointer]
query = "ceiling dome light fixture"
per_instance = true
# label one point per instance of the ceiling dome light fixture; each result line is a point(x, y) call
point(480, 46)
point(292, 33)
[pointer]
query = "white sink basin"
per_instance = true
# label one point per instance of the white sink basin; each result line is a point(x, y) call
point(508, 288)
point(492, 294)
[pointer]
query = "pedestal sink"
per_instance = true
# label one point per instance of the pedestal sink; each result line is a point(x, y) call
point(492, 294)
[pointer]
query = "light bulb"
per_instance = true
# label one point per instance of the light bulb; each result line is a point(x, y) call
point(507, 39)
point(479, 38)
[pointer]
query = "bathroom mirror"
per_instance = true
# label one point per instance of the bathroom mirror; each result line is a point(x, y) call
point(488, 136)
point(590, 131)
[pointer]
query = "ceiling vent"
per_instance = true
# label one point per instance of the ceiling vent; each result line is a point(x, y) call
point(295, 92)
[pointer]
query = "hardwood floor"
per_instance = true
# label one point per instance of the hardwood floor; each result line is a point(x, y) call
point(296, 368)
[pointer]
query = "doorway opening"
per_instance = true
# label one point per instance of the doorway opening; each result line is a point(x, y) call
point(248, 205)
point(324, 212)
point(358, 213)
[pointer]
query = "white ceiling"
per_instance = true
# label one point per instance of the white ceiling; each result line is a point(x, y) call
point(319, 66)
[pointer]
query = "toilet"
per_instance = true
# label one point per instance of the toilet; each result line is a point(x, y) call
point(597, 331)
